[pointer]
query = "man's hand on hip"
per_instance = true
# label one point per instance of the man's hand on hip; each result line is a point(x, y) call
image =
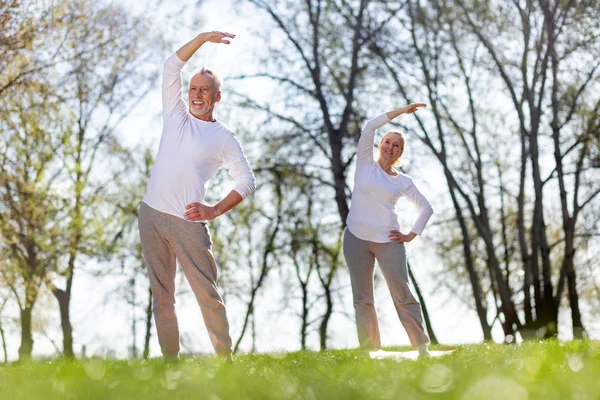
point(204, 212)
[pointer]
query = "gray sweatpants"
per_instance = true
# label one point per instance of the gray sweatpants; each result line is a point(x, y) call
point(360, 257)
point(165, 238)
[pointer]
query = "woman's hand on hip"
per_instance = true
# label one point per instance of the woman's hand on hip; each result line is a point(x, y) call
point(200, 212)
point(399, 237)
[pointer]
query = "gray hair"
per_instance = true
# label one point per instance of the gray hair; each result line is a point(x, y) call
point(209, 72)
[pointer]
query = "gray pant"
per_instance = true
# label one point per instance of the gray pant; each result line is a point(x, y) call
point(360, 256)
point(165, 238)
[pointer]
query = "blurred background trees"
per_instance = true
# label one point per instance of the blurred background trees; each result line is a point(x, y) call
point(512, 93)
point(72, 70)
point(509, 145)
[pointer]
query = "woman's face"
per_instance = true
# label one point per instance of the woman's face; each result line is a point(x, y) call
point(391, 147)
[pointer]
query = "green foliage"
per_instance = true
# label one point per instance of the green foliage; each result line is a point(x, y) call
point(551, 370)
point(30, 213)
point(76, 68)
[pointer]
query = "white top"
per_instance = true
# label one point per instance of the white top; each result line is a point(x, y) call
point(190, 152)
point(373, 210)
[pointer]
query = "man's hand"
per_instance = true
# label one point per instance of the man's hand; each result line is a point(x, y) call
point(187, 50)
point(204, 212)
point(399, 237)
point(200, 212)
point(216, 37)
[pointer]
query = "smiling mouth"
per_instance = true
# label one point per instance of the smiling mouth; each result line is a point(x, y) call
point(198, 103)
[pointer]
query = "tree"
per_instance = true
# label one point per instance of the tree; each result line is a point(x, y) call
point(460, 53)
point(572, 156)
point(69, 82)
point(126, 248)
point(2, 334)
point(105, 78)
point(22, 25)
point(321, 48)
point(260, 262)
point(30, 211)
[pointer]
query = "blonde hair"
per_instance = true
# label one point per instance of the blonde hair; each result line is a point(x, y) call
point(207, 71)
point(398, 162)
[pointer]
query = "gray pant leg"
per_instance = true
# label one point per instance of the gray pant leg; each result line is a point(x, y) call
point(164, 238)
point(193, 250)
point(361, 264)
point(391, 258)
point(161, 267)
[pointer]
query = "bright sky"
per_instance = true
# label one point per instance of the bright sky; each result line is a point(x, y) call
point(102, 320)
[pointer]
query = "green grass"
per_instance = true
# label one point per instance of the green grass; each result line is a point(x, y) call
point(548, 370)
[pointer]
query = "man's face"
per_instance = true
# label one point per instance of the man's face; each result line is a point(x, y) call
point(203, 96)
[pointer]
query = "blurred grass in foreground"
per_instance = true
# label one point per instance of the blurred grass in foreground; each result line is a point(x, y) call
point(548, 370)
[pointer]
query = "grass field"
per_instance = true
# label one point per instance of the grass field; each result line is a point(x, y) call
point(548, 370)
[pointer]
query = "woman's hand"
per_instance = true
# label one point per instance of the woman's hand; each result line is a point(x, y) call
point(216, 37)
point(200, 212)
point(409, 109)
point(399, 237)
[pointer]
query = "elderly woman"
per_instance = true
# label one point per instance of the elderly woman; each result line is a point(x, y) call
point(373, 233)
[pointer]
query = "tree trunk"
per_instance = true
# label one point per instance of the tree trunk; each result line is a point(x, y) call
point(304, 289)
point(146, 352)
point(568, 260)
point(528, 331)
point(253, 333)
point(326, 317)
point(578, 329)
point(304, 325)
point(63, 298)
point(134, 352)
point(339, 177)
point(3, 343)
point(568, 224)
point(254, 291)
point(269, 248)
point(326, 283)
point(428, 325)
point(474, 278)
point(26, 335)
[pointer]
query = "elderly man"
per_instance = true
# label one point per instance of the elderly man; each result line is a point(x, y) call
point(173, 217)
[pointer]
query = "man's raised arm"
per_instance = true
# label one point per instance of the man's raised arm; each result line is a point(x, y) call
point(187, 50)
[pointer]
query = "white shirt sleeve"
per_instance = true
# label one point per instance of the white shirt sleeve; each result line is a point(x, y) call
point(367, 138)
point(235, 161)
point(172, 93)
point(425, 209)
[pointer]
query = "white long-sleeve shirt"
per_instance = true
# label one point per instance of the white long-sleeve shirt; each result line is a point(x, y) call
point(373, 208)
point(190, 152)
